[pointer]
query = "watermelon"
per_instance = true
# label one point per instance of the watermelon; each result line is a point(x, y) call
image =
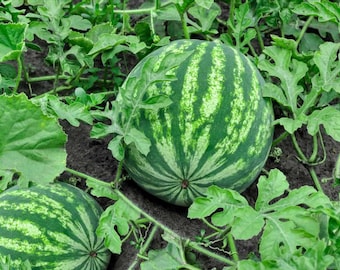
point(52, 226)
point(217, 131)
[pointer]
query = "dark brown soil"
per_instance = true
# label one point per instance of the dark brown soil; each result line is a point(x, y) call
point(92, 157)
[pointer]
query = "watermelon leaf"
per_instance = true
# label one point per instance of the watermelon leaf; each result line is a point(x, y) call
point(142, 143)
point(73, 112)
point(117, 148)
point(329, 69)
point(206, 16)
point(270, 188)
point(285, 225)
point(241, 28)
point(101, 188)
point(6, 178)
point(31, 143)
point(11, 41)
point(289, 71)
point(324, 10)
point(114, 223)
point(205, 3)
point(290, 125)
point(155, 103)
point(216, 198)
point(329, 117)
point(168, 258)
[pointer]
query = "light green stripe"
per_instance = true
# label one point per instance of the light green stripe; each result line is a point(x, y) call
point(85, 234)
point(213, 97)
point(23, 226)
point(189, 97)
point(232, 140)
point(40, 204)
point(159, 125)
point(211, 103)
point(157, 173)
point(263, 134)
point(22, 245)
point(215, 162)
point(202, 145)
point(167, 150)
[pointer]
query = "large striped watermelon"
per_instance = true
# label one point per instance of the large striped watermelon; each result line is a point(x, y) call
point(218, 130)
point(52, 226)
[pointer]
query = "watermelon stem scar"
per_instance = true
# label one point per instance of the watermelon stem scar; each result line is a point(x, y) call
point(185, 184)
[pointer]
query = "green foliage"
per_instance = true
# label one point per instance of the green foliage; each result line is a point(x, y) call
point(11, 48)
point(115, 222)
point(289, 220)
point(31, 143)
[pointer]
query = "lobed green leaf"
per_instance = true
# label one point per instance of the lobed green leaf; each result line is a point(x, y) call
point(31, 143)
point(288, 70)
point(12, 43)
point(168, 258)
point(324, 10)
point(114, 222)
point(329, 117)
point(326, 59)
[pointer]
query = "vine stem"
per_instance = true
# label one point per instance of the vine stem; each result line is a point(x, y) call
point(279, 139)
point(304, 29)
point(314, 155)
point(306, 162)
point(315, 179)
point(232, 247)
point(184, 25)
point(144, 248)
point(18, 78)
point(259, 38)
point(298, 150)
point(166, 229)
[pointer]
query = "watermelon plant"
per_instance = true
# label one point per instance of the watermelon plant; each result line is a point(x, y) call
point(51, 226)
point(87, 49)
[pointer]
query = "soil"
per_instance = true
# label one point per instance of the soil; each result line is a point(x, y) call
point(92, 157)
